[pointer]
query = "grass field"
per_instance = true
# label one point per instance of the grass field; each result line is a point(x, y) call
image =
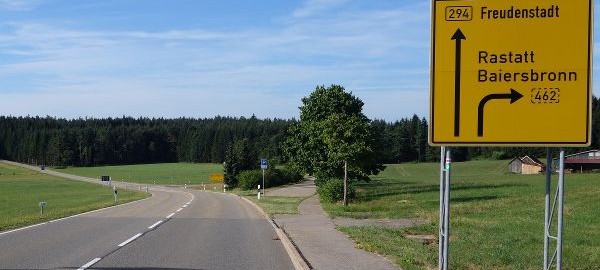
point(21, 191)
point(272, 204)
point(496, 218)
point(163, 173)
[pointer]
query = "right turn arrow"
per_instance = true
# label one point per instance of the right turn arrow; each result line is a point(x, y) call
point(513, 96)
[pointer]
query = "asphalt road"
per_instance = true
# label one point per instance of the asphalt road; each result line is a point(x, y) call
point(174, 229)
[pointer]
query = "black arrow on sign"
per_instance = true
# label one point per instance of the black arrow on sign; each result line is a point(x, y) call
point(513, 96)
point(458, 36)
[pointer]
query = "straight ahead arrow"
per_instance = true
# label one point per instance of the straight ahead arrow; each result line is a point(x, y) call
point(513, 96)
point(458, 36)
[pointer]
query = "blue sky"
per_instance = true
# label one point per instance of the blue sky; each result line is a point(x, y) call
point(202, 58)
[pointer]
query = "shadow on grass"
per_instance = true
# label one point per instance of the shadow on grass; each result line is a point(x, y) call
point(391, 191)
point(379, 183)
point(474, 199)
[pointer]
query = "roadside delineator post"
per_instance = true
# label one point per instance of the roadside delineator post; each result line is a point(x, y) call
point(42, 205)
point(115, 192)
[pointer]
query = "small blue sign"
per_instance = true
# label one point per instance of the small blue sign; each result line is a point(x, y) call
point(264, 163)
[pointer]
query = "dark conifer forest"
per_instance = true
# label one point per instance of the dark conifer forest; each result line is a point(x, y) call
point(126, 140)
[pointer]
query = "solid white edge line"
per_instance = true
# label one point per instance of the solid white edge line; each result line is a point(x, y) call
point(77, 215)
point(170, 215)
point(90, 263)
point(179, 209)
point(20, 229)
point(155, 224)
point(130, 240)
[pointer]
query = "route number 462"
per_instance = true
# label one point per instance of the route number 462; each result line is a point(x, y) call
point(459, 13)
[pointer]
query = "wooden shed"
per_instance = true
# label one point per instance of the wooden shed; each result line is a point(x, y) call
point(582, 162)
point(526, 165)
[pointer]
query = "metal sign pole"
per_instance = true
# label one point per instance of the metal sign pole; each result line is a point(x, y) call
point(549, 214)
point(447, 207)
point(444, 234)
point(441, 222)
point(547, 209)
point(263, 185)
point(561, 188)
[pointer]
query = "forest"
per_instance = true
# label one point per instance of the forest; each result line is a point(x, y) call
point(126, 140)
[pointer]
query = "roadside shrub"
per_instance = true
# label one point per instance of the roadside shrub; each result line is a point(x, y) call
point(273, 177)
point(290, 174)
point(332, 190)
point(230, 180)
point(249, 179)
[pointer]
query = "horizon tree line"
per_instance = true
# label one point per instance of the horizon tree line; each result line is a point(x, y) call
point(127, 140)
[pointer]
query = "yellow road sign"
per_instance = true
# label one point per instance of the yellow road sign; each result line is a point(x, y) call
point(216, 177)
point(511, 72)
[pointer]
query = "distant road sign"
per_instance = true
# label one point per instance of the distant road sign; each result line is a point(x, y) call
point(512, 72)
point(216, 177)
point(264, 163)
point(104, 178)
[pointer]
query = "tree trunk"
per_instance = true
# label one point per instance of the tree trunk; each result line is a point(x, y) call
point(345, 183)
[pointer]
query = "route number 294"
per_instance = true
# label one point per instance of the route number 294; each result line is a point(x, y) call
point(459, 13)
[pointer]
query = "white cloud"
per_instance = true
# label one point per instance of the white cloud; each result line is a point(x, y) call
point(380, 55)
point(312, 7)
point(19, 5)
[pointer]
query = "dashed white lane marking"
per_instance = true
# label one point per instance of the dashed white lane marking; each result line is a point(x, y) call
point(179, 209)
point(155, 224)
point(92, 262)
point(170, 215)
point(130, 240)
point(184, 206)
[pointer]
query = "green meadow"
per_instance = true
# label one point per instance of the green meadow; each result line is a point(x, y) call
point(272, 204)
point(497, 218)
point(21, 190)
point(161, 173)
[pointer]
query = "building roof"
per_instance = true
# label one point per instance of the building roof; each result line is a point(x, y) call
point(575, 159)
point(584, 152)
point(582, 161)
point(529, 160)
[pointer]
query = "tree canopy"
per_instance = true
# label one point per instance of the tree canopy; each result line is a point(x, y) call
point(333, 129)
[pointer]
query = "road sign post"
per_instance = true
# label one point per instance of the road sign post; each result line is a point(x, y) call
point(263, 165)
point(510, 73)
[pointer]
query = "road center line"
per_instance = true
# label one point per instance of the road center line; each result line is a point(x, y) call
point(170, 215)
point(90, 263)
point(155, 224)
point(179, 209)
point(184, 206)
point(130, 240)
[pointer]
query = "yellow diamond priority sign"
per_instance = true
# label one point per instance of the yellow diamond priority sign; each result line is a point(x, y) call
point(511, 72)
